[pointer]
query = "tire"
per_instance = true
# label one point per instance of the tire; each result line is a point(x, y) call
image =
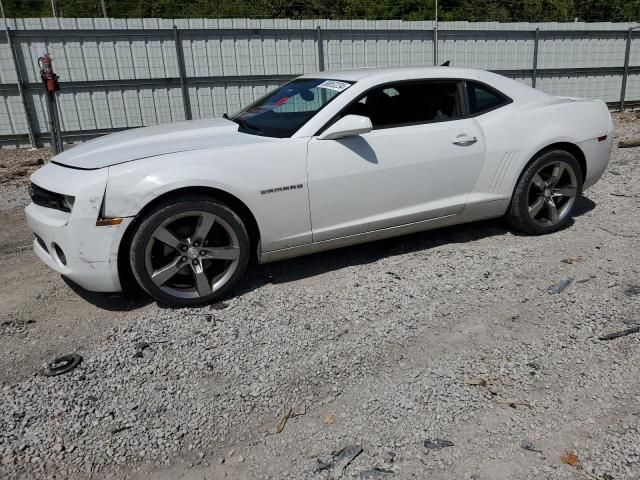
point(554, 176)
point(189, 251)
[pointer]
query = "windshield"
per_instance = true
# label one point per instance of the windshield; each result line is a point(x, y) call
point(282, 112)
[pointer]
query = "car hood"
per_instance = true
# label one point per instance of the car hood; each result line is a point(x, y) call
point(147, 142)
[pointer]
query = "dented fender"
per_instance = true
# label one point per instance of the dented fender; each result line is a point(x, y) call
point(255, 175)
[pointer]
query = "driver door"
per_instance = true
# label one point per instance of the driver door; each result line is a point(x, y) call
point(420, 161)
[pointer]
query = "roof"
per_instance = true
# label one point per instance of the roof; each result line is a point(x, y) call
point(376, 75)
point(356, 74)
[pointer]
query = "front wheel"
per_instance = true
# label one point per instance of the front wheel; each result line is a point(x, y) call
point(545, 197)
point(189, 251)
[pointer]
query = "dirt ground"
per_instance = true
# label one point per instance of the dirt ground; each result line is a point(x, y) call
point(480, 291)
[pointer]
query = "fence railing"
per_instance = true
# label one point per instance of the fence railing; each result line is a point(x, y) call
point(117, 78)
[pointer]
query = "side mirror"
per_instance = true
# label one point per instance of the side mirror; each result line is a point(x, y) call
point(347, 127)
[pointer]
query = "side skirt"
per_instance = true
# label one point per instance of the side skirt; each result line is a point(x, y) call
point(471, 213)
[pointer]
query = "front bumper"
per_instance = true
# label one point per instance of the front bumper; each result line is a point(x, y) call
point(89, 253)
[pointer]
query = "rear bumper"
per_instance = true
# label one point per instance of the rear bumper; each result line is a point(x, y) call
point(71, 243)
point(597, 154)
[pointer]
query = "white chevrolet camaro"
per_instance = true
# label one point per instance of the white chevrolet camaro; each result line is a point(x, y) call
point(326, 160)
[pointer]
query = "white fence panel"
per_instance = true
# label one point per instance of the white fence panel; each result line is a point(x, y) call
point(124, 73)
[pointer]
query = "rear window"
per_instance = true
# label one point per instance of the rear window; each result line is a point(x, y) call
point(482, 98)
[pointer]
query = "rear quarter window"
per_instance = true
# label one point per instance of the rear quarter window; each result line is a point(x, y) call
point(483, 99)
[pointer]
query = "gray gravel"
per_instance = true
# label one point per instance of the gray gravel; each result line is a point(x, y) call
point(15, 167)
point(370, 346)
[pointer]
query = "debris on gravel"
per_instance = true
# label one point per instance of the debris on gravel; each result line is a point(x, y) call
point(528, 445)
point(562, 285)
point(62, 365)
point(376, 473)
point(343, 459)
point(437, 443)
point(622, 333)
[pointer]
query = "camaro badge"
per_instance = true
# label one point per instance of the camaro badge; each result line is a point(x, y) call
point(281, 189)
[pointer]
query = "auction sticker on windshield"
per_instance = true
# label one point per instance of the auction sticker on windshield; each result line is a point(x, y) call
point(334, 85)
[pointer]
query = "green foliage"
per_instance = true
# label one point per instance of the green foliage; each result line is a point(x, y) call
point(470, 10)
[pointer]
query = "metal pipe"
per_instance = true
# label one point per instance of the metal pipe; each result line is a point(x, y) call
point(435, 38)
point(104, 9)
point(534, 73)
point(56, 120)
point(320, 49)
point(54, 14)
point(52, 123)
point(183, 74)
point(625, 74)
point(19, 83)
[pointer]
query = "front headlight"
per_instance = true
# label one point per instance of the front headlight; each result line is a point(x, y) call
point(48, 199)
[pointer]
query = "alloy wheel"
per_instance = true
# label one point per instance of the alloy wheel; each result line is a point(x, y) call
point(192, 254)
point(552, 193)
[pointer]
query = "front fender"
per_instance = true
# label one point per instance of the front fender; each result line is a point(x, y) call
point(282, 218)
point(132, 186)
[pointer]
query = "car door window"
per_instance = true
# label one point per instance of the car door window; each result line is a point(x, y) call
point(408, 103)
point(483, 99)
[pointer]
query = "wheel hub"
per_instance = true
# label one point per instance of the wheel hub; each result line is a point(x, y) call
point(192, 254)
point(552, 193)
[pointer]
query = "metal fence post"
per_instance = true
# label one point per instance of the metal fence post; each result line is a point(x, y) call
point(534, 72)
point(625, 74)
point(435, 45)
point(183, 74)
point(320, 49)
point(19, 82)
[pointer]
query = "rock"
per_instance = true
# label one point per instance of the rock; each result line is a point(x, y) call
point(376, 473)
point(329, 419)
point(437, 443)
point(561, 285)
point(219, 306)
point(528, 445)
point(388, 456)
point(342, 460)
point(323, 464)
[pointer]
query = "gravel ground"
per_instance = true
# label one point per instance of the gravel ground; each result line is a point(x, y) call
point(15, 168)
point(388, 347)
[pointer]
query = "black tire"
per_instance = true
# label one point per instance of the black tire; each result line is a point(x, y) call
point(518, 214)
point(145, 236)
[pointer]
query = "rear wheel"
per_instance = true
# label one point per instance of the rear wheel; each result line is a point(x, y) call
point(545, 197)
point(189, 251)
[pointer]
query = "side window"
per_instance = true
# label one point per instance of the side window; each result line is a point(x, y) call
point(409, 103)
point(483, 99)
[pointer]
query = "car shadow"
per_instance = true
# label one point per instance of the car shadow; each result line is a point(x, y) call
point(319, 263)
point(308, 266)
point(360, 147)
point(133, 299)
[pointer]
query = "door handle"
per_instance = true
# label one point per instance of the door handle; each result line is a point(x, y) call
point(464, 140)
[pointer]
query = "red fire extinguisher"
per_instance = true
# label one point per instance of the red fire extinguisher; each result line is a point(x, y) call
point(49, 78)
point(50, 81)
